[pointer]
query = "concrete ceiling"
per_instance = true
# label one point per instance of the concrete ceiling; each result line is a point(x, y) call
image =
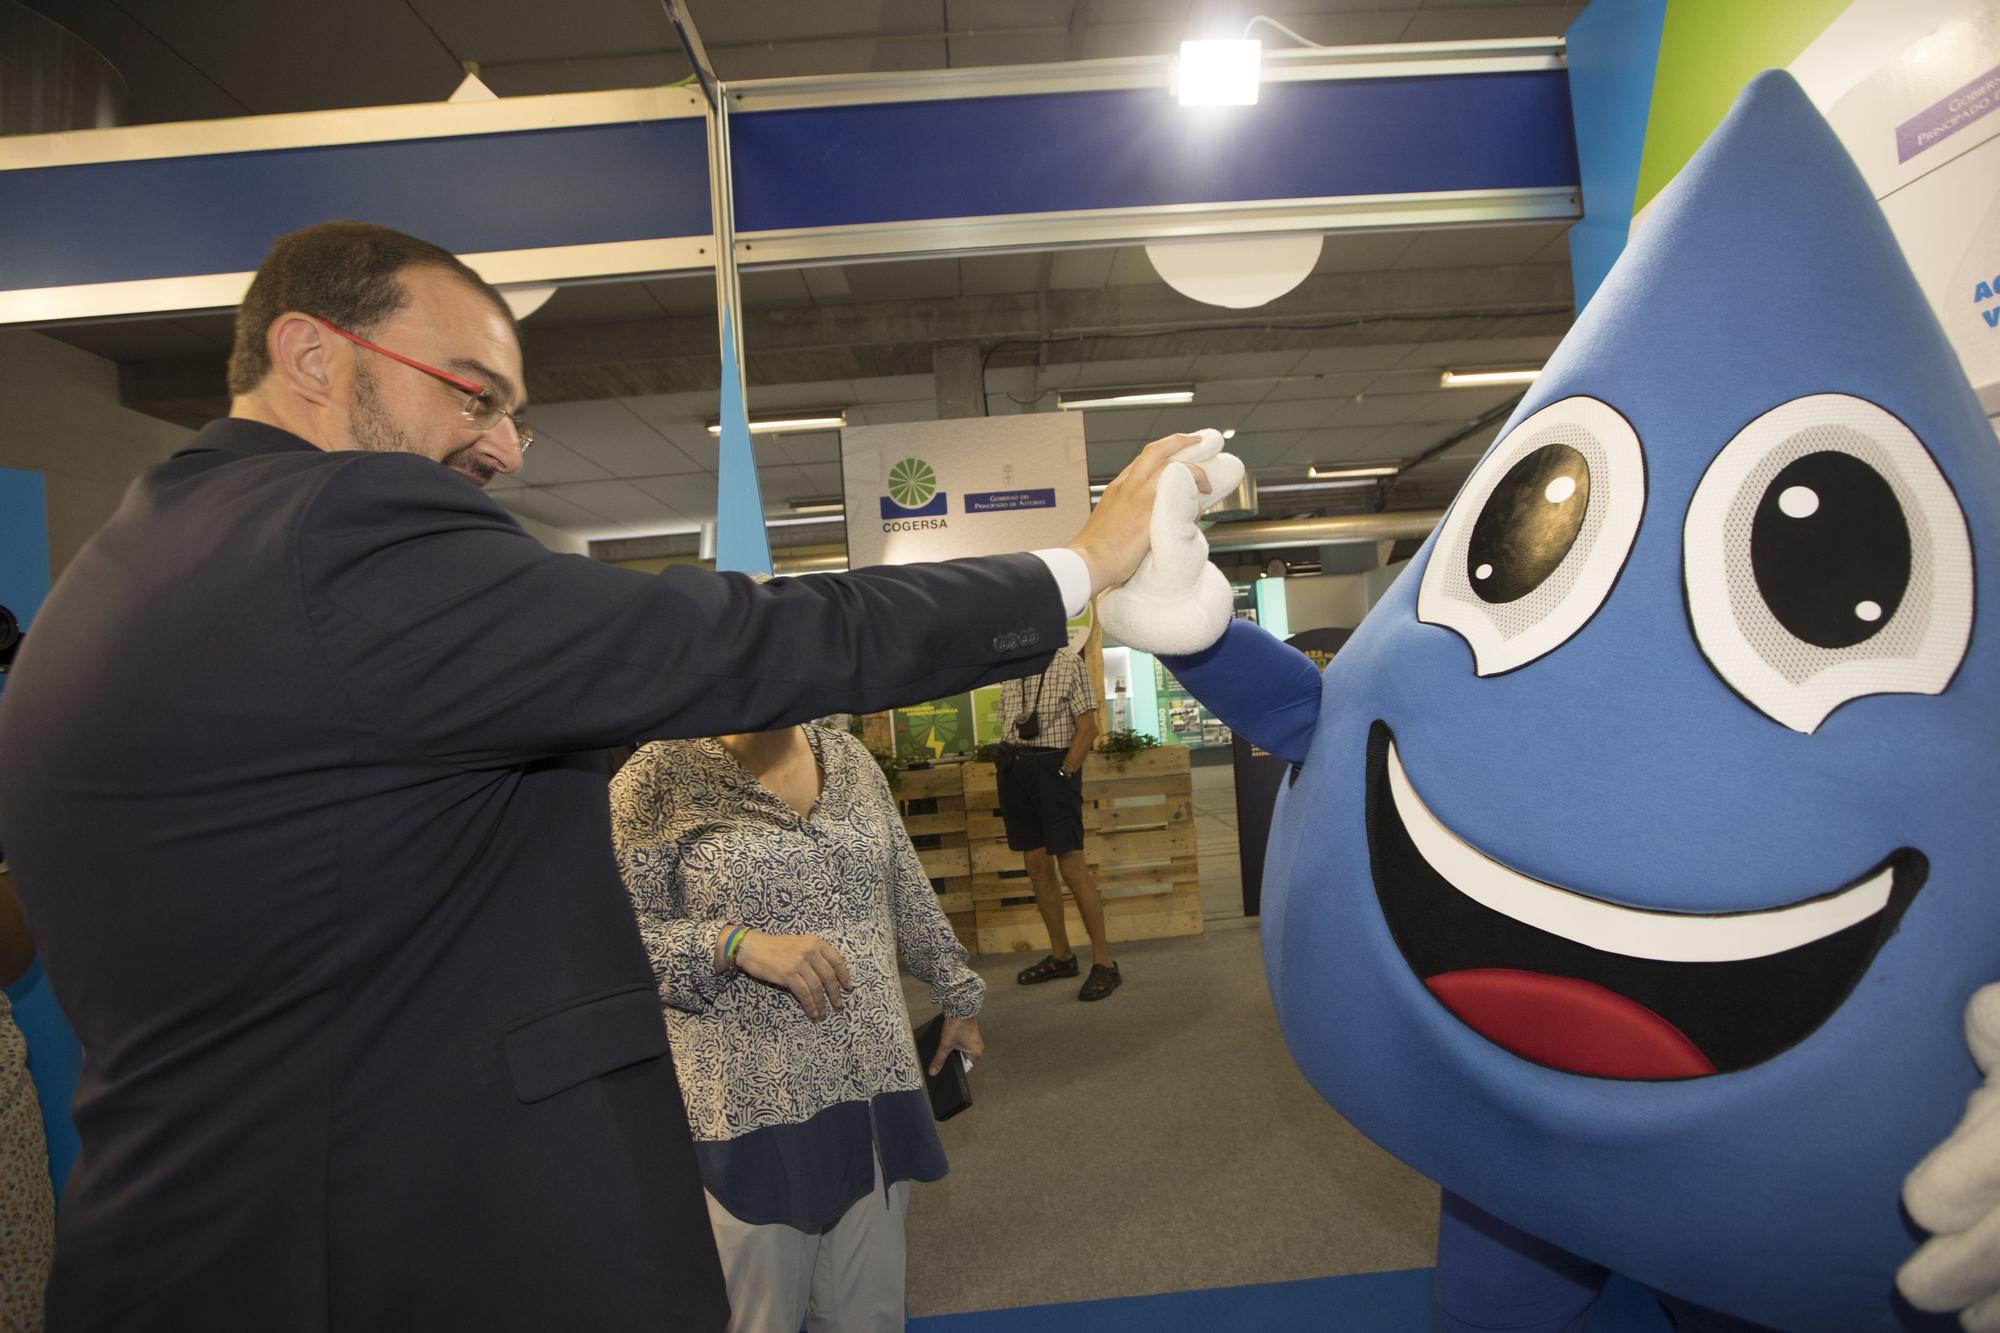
point(623, 374)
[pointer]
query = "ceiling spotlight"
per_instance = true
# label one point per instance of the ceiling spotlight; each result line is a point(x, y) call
point(1229, 434)
point(1357, 472)
point(1465, 379)
point(783, 425)
point(1155, 396)
point(1218, 73)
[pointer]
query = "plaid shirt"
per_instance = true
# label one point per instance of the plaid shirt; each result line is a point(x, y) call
point(1065, 694)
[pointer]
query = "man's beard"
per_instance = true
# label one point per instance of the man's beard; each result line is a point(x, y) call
point(376, 431)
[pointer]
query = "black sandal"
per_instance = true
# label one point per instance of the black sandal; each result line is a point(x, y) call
point(1047, 970)
point(1103, 979)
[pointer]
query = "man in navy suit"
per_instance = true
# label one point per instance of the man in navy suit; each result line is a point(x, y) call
point(370, 1039)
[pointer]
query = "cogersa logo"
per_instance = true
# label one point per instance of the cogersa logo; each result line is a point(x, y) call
point(913, 491)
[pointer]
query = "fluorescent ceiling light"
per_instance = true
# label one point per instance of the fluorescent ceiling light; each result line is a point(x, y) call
point(1461, 379)
point(1283, 487)
point(780, 425)
point(1151, 397)
point(801, 522)
point(1218, 73)
point(1229, 434)
point(829, 505)
point(1357, 471)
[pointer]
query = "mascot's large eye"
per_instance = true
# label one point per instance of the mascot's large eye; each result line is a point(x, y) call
point(1826, 558)
point(1534, 542)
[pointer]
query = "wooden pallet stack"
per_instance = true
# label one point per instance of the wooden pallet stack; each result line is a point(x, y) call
point(932, 803)
point(1139, 841)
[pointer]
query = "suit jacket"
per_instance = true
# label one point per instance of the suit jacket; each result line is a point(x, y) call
point(370, 1040)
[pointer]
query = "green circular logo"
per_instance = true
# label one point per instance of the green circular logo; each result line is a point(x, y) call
point(912, 483)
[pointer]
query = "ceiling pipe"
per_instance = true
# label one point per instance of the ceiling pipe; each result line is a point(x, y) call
point(1267, 533)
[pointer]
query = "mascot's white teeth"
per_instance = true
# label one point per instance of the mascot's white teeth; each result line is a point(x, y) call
point(1670, 937)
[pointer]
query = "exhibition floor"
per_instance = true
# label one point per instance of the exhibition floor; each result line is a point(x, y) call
point(1159, 1141)
point(1162, 1142)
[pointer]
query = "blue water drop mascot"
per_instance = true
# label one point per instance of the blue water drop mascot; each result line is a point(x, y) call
point(1638, 874)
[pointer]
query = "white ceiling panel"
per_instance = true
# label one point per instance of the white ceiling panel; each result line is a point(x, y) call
point(543, 507)
point(893, 389)
point(608, 434)
point(1231, 393)
point(820, 446)
point(1327, 384)
point(1008, 48)
point(1131, 268)
point(618, 502)
point(1081, 270)
point(1245, 365)
point(1123, 423)
point(824, 478)
point(1296, 415)
point(1361, 252)
point(1377, 409)
point(1337, 445)
point(907, 280)
point(766, 399)
point(1346, 360)
point(762, 60)
point(1109, 38)
point(1469, 247)
point(690, 495)
point(550, 462)
point(683, 296)
point(890, 414)
point(1264, 449)
point(776, 288)
point(1133, 374)
point(827, 283)
point(989, 275)
point(1461, 21)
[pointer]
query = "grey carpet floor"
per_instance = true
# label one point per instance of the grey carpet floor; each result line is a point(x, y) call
point(1160, 1140)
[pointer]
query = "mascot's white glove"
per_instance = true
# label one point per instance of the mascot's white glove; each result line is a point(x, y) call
point(1177, 602)
point(1955, 1195)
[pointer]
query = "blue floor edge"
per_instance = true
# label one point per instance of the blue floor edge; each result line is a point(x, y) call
point(1391, 1302)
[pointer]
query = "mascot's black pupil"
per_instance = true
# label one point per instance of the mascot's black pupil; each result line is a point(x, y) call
point(1831, 549)
point(1529, 523)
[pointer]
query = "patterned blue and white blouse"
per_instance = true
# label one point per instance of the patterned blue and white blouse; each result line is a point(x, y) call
point(788, 1114)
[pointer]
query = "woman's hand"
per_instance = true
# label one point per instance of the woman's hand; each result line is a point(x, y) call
point(806, 965)
point(960, 1034)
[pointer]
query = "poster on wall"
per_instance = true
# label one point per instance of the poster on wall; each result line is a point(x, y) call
point(1924, 127)
point(938, 490)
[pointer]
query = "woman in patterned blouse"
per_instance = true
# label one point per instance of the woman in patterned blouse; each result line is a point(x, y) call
point(795, 1054)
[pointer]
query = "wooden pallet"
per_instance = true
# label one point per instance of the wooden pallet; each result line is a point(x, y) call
point(1139, 841)
point(932, 803)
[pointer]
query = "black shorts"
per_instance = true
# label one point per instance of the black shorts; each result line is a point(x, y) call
point(1042, 808)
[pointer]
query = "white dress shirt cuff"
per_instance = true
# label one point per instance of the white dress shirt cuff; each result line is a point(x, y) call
point(1072, 577)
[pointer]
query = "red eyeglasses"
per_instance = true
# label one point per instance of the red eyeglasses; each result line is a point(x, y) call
point(480, 409)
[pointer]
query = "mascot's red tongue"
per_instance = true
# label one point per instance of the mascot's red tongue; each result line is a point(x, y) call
point(1568, 1024)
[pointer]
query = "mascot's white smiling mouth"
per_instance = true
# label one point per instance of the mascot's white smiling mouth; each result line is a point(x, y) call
point(1593, 987)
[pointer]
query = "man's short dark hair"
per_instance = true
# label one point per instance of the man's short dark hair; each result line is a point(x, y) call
point(343, 272)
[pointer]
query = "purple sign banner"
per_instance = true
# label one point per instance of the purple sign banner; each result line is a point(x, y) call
point(1948, 115)
point(995, 502)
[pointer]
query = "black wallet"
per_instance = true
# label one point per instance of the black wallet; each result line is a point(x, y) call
point(950, 1090)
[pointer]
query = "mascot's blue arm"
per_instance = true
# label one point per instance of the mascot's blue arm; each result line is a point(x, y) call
point(1263, 688)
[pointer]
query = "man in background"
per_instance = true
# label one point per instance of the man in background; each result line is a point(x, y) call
point(1051, 723)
